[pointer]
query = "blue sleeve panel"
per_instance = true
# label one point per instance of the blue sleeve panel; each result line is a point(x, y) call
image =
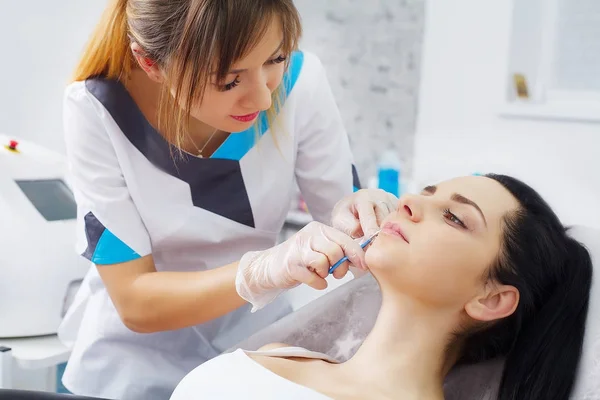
point(103, 247)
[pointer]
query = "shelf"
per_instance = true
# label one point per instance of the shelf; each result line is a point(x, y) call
point(572, 112)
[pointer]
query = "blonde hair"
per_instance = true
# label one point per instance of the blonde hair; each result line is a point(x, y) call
point(188, 40)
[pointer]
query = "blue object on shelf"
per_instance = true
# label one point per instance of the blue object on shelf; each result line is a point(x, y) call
point(388, 173)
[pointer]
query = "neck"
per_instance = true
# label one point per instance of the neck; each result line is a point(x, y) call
point(145, 94)
point(405, 352)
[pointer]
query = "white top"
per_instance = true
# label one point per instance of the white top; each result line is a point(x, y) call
point(237, 376)
point(134, 199)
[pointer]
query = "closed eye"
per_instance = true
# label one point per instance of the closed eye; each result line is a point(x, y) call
point(278, 60)
point(458, 198)
point(231, 85)
point(450, 216)
point(236, 81)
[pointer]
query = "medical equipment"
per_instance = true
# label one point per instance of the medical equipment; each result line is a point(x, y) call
point(338, 322)
point(40, 269)
point(344, 259)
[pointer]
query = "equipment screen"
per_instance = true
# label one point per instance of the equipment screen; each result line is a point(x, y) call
point(51, 197)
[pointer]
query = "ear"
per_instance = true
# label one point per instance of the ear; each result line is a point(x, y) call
point(498, 301)
point(146, 64)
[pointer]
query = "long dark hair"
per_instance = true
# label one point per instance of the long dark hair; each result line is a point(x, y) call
point(542, 340)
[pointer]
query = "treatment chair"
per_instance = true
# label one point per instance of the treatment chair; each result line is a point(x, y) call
point(13, 394)
point(337, 323)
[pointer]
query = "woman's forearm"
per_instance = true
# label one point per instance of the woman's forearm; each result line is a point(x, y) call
point(163, 301)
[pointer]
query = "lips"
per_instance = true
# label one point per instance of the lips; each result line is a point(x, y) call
point(245, 118)
point(393, 229)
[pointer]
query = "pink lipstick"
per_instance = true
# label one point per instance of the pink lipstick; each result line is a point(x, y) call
point(393, 229)
point(245, 118)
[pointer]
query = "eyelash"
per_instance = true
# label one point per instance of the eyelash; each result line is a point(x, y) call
point(231, 85)
point(278, 60)
point(453, 218)
point(236, 81)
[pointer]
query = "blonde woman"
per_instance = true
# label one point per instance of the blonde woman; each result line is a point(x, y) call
point(186, 125)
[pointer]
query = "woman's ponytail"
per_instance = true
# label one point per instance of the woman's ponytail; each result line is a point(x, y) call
point(107, 52)
point(542, 364)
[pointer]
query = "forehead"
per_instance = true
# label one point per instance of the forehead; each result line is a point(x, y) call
point(263, 49)
point(493, 199)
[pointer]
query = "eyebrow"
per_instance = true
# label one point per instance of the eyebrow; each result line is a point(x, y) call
point(239, 71)
point(430, 189)
point(459, 198)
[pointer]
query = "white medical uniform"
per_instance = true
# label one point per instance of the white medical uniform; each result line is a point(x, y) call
point(137, 196)
point(237, 376)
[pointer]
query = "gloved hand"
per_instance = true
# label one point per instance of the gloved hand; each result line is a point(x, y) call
point(360, 214)
point(304, 258)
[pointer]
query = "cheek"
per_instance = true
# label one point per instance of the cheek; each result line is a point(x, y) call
point(439, 267)
point(439, 244)
point(449, 265)
point(215, 104)
point(275, 76)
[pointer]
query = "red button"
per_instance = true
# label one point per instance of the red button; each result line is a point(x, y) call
point(13, 144)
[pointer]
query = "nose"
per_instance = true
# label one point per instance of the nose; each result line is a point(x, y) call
point(259, 95)
point(410, 206)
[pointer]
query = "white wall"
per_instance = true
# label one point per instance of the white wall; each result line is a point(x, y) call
point(465, 58)
point(371, 50)
point(40, 43)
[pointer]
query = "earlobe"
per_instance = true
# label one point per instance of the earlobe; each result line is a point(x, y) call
point(499, 302)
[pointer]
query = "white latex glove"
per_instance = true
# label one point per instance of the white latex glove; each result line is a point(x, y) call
point(304, 258)
point(360, 214)
point(357, 272)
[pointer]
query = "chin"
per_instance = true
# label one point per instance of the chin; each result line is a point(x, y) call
point(380, 256)
point(375, 257)
point(227, 124)
point(237, 127)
